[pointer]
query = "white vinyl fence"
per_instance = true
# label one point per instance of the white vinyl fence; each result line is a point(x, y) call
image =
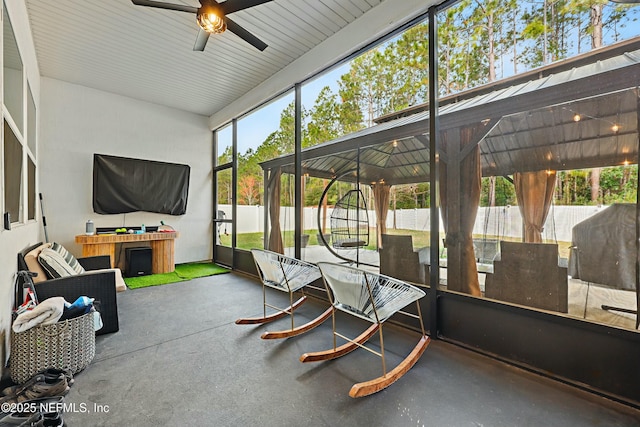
point(498, 221)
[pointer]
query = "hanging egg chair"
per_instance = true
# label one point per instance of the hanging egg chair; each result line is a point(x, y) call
point(350, 222)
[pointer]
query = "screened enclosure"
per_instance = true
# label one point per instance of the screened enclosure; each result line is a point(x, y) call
point(577, 114)
point(478, 191)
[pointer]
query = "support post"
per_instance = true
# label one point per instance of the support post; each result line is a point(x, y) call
point(434, 210)
point(234, 192)
point(214, 192)
point(298, 171)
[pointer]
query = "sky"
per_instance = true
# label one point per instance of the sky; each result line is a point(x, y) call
point(257, 126)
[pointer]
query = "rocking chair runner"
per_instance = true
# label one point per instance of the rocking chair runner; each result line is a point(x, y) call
point(374, 298)
point(289, 275)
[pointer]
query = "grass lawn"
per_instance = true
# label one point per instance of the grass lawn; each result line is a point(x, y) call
point(255, 240)
point(420, 239)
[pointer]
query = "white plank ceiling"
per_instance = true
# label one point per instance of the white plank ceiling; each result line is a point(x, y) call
point(146, 53)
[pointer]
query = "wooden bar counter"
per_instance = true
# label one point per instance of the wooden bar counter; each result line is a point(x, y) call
point(162, 247)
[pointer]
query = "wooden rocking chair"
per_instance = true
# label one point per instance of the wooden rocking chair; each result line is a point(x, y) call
point(374, 298)
point(289, 275)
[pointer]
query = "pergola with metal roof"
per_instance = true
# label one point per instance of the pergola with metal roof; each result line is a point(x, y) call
point(578, 113)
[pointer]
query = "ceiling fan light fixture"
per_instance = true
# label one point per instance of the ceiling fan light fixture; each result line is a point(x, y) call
point(211, 20)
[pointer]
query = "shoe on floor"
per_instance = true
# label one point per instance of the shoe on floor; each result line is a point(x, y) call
point(51, 374)
point(49, 405)
point(39, 386)
point(53, 419)
point(55, 373)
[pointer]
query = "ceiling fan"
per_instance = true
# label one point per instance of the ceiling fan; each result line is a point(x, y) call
point(212, 18)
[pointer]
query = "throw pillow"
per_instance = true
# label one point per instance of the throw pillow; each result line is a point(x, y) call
point(68, 257)
point(54, 264)
point(31, 259)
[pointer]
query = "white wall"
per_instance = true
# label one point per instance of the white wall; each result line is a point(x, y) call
point(77, 122)
point(21, 235)
point(73, 123)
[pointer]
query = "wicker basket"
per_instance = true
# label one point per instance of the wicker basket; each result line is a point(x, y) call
point(70, 344)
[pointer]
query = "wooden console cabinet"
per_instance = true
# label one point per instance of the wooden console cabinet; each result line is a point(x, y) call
point(162, 247)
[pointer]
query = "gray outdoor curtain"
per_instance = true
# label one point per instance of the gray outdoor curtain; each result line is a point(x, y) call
point(460, 185)
point(381, 205)
point(275, 243)
point(534, 191)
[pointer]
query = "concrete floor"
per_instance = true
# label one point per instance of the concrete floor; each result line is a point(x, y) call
point(180, 360)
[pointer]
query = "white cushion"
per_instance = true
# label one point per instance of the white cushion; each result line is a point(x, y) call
point(120, 284)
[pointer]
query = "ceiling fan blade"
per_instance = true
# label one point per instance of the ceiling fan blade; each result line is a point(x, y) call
point(168, 6)
point(201, 40)
point(245, 35)
point(231, 6)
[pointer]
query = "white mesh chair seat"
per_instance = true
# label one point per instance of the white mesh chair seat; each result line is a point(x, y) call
point(284, 273)
point(351, 293)
point(289, 275)
point(374, 298)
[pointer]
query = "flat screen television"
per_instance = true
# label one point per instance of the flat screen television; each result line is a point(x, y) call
point(122, 185)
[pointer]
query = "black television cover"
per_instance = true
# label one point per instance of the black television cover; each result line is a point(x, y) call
point(122, 185)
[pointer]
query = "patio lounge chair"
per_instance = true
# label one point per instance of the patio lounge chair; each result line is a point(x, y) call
point(529, 274)
point(289, 275)
point(374, 298)
point(398, 259)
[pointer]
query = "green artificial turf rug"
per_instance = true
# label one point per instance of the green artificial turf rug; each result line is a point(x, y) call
point(192, 270)
point(182, 272)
